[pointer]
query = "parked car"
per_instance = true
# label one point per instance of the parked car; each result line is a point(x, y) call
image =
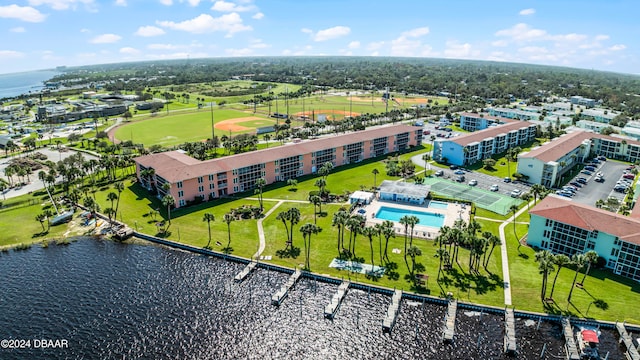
point(507, 179)
point(629, 176)
point(494, 187)
point(600, 174)
point(620, 189)
point(586, 172)
point(460, 178)
point(590, 168)
point(453, 167)
point(576, 184)
point(602, 158)
point(473, 182)
point(569, 189)
point(582, 181)
point(599, 179)
point(630, 167)
point(516, 193)
point(439, 173)
point(459, 172)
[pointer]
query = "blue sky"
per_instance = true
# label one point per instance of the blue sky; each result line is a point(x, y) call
point(38, 34)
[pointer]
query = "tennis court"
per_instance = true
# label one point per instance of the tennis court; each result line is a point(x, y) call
point(484, 199)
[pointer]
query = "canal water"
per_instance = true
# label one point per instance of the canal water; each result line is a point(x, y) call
point(118, 301)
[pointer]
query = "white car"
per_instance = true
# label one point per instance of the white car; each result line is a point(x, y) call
point(494, 187)
point(516, 193)
point(473, 182)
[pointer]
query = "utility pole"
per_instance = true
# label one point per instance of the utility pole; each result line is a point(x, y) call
point(213, 133)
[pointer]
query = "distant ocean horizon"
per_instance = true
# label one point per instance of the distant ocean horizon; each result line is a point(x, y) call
point(16, 84)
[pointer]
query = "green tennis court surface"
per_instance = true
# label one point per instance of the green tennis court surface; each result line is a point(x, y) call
point(484, 199)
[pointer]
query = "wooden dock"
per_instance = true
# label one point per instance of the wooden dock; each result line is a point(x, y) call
point(331, 308)
point(450, 322)
point(509, 332)
point(632, 352)
point(392, 312)
point(281, 294)
point(246, 271)
point(569, 341)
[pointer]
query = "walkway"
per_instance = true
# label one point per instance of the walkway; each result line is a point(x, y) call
point(261, 230)
point(505, 259)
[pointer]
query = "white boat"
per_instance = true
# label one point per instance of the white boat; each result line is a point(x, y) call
point(587, 338)
point(62, 218)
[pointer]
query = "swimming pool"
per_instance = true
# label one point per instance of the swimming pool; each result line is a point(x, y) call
point(438, 205)
point(426, 218)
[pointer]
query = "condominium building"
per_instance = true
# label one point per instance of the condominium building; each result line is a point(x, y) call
point(565, 227)
point(470, 148)
point(475, 121)
point(547, 163)
point(189, 178)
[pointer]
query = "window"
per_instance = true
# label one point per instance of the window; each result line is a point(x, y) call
point(211, 177)
point(200, 188)
point(181, 203)
point(200, 180)
point(546, 234)
point(591, 245)
point(211, 186)
point(179, 184)
point(180, 193)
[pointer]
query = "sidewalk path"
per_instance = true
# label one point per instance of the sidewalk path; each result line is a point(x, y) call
point(505, 259)
point(261, 230)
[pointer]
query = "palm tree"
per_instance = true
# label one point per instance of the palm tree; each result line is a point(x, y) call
point(48, 214)
point(294, 218)
point(260, 184)
point(112, 197)
point(375, 172)
point(370, 232)
point(560, 260)
point(284, 217)
point(441, 254)
point(537, 190)
point(168, 201)
point(208, 217)
point(413, 220)
point(514, 209)
point(579, 261)
point(405, 221)
point(119, 187)
point(228, 219)
point(545, 265)
point(41, 217)
point(591, 258)
point(527, 197)
point(413, 252)
point(306, 230)
point(110, 212)
point(339, 219)
point(317, 202)
point(321, 184)
point(492, 240)
point(354, 224)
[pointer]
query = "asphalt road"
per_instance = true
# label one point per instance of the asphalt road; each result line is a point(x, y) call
point(593, 191)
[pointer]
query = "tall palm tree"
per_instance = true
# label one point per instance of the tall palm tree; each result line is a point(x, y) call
point(168, 201)
point(413, 221)
point(545, 265)
point(560, 260)
point(339, 220)
point(413, 252)
point(294, 218)
point(208, 217)
point(405, 222)
point(41, 218)
point(375, 172)
point(317, 202)
point(228, 219)
point(591, 258)
point(307, 230)
point(514, 209)
point(284, 217)
point(354, 224)
point(321, 184)
point(260, 184)
point(388, 232)
point(370, 232)
point(441, 254)
point(112, 197)
point(119, 187)
point(578, 260)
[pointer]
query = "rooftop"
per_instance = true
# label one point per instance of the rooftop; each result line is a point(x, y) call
point(490, 132)
point(558, 147)
point(175, 166)
point(501, 120)
point(589, 218)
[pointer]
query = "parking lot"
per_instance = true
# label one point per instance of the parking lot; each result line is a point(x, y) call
point(592, 191)
point(485, 181)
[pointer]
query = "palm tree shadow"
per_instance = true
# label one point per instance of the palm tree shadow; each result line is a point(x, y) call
point(291, 252)
point(227, 249)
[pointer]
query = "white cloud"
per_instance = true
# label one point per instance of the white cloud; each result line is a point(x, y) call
point(18, 29)
point(193, 45)
point(500, 43)
point(148, 31)
point(258, 16)
point(105, 39)
point(129, 51)
point(224, 6)
point(618, 47)
point(375, 45)
point(306, 31)
point(354, 45)
point(526, 12)
point(10, 54)
point(166, 2)
point(459, 51)
point(573, 37)
point(258, 44)
point(331, 33)
point(194, 2)
point(602, 37)
point(121, 2)
point(523, 32)
point(62, 4)
point(204, 23)
point(24, 13)
point(375, 53)
point(238, 52)
point(417, 32)
point(85, 31)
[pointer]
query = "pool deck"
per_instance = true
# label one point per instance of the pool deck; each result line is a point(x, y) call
point(453, 212)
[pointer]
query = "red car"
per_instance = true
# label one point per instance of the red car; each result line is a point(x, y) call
point(628, 176)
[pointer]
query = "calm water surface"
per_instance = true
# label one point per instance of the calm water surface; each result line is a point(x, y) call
point(116, 301)
point(21, 83)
